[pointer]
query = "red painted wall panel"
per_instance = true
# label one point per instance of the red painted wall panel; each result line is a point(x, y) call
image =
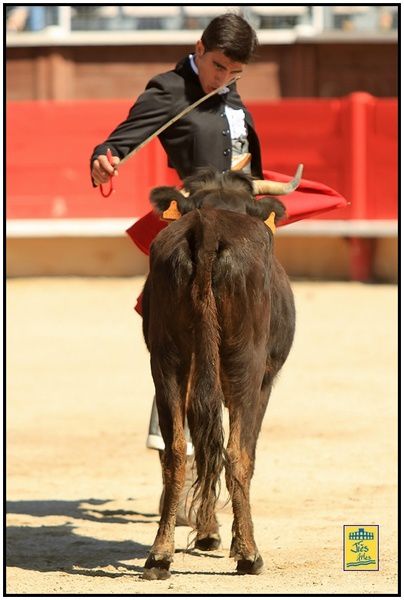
point(349, 144)
point(382, 175)
point(307, 131)
point(49, 145)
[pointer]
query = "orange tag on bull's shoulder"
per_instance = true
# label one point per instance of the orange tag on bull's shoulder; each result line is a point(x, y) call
point(172, 213)
point(270, 222)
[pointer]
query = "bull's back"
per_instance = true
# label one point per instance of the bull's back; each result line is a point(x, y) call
point(220, 251)
point(243, 255)
point(240, 244)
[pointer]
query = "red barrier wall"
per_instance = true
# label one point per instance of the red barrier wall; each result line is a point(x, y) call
point(349, 144)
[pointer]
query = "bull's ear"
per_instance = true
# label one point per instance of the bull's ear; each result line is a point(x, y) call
point(161, 197)
point(263, 207)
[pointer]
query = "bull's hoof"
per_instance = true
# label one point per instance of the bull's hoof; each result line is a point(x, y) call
point(211, 542)
point(156, 569)
point(250, 567)
point(155, 573)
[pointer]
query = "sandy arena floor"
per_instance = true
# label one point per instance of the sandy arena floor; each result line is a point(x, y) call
point(83, 490)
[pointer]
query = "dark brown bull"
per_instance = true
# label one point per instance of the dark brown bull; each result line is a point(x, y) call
point(218, 320)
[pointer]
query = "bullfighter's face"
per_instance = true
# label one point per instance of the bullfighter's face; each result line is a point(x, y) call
point(215, 69)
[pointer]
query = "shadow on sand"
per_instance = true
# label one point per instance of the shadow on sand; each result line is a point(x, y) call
point(79, 509)
point(47, 548)
point(58, 548)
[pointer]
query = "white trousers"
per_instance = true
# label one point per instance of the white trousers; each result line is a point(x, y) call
point(154, 437)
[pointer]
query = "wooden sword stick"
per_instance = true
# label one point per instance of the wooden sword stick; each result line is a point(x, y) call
point(174, 119)
point(161, 129)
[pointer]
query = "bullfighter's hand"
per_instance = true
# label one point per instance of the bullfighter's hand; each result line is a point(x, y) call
point(102, 169)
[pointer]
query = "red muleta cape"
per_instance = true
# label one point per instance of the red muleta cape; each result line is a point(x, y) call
point(309, 199)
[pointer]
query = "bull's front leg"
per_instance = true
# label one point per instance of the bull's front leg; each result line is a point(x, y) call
point(158, 563)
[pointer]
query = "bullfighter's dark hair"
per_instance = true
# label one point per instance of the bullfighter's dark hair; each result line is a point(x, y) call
point(231, 34)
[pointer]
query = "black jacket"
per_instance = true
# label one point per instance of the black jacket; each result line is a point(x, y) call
point(200, 139)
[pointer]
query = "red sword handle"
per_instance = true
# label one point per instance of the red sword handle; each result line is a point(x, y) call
point(111, 185)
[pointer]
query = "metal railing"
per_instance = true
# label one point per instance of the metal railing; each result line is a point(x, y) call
point(62, 22)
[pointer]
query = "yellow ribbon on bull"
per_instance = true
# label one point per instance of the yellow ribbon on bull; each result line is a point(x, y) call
point(270, 222)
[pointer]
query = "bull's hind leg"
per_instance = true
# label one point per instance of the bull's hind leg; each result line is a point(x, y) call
point(239, 470)
point(208, 537)
point(202, 510)
point(204, 503)
point(170, 409)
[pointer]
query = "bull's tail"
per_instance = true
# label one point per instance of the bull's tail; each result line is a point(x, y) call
point(206, 397)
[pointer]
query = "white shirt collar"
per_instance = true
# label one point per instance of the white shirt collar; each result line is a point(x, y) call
point(193, 65)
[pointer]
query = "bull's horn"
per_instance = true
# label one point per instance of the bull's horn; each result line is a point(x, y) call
point(278, 188)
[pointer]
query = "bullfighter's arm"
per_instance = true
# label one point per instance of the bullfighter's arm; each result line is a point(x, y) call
point(151, 110)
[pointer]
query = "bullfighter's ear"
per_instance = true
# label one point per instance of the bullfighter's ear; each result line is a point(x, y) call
point(263, 207)
point(161, 197)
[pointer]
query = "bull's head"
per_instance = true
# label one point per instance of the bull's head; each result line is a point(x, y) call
point(232, 191)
